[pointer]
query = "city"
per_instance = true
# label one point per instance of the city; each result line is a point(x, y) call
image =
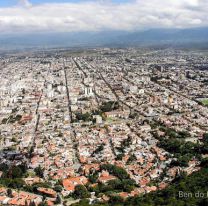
point(100, 124)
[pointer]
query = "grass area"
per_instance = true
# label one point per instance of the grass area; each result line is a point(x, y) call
point(205, 102)
point(110, 120)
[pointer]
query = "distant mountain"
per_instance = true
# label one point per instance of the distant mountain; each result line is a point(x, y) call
point(152, 37)
point(167, 36)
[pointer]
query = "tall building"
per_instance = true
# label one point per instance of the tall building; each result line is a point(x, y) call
point(89, 91)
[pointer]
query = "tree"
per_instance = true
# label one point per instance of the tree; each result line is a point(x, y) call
point(115, 200)
point(58, 188)
point(128, 185)
point(85, 117)
point(83, 202)
point(204, 162)
point(58, 199)
point(43, 204)
point(39, 171)
point(16, 183)
point(115, 170)
point(81, 192)
point(99, 149)
point(93, 177)
point(16, 172)
point(205, 137)
point(131, 158)
point(9, 193)
point(109, 106)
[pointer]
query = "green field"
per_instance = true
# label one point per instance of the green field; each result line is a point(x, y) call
point(205, 102)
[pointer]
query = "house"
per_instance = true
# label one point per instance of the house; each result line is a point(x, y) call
point(70, 183)
point(105, 177)
point(47, 191)
point(32, 180)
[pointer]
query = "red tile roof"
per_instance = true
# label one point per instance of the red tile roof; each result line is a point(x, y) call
point(70, 183)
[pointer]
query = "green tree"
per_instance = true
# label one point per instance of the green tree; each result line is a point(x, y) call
point(39, 171)
point(81, 192)
point(58, 188)
point(9, 192)
point(16, 172)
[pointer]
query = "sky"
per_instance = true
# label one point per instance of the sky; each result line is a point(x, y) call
point(31, 16)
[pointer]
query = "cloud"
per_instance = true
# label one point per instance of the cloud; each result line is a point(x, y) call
point(103, 15)
point(25, 3)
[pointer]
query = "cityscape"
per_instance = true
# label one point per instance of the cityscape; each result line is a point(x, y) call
point(97, 123)
point(103, 103)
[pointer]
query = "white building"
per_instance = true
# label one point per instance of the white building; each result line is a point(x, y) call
point(89, 91)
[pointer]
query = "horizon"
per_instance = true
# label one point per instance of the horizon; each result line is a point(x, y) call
point(103, 102)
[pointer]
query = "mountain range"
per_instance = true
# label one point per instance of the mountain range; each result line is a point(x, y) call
point(152, 37)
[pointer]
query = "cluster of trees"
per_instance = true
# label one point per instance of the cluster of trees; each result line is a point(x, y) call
point(84, 117)
point(12, 176)
point(16, 183)
point(182, 150)
point(39, 171)
point(33, 188)
point(109, 106)
point(81, 192)
point(105, 107)
point(119, 172)
point(114, 186)
point(131, 159)
point(171, 133)
point(204, 148)
point(12, 119)
point(174, 142)
point(13, 171)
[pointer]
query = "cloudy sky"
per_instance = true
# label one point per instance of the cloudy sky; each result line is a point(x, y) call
point(88, 15)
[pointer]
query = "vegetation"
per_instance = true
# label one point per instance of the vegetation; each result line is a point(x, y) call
point(116, 171)
point(205, 102)
point(183, 151)
point(109, 106)
point(58, 188)
point(39, 171)
point(171, 133)
point(105, 107)
point(81, 192)
point(98, 149)
point(13, 172)
point(194, 185)
point(16, 183)
point(122, 183)
point(12, 119)
point(175, 143)
point(12, 176)
point(131, 159)
point(83, 117)
point(93, 177)
point(113, 187)
point(124, 144)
